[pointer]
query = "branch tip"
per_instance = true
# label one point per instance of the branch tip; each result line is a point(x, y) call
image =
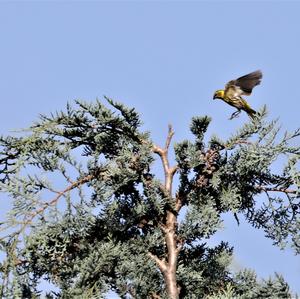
point(169, 137)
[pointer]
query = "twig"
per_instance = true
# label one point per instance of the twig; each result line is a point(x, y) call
point(54, 201)
point(61, 193)
point(287, 191)
point(169, 137)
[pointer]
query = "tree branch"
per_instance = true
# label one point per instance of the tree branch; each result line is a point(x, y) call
point(163, 153)
point(272, 189)
point(160, 263)
point(61, 193)
point(169, 137)
point(169, 268)
point(55, 200)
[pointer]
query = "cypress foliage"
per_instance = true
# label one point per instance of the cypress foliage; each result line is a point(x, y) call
point(89, 215)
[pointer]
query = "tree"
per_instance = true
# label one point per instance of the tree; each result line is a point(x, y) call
point(89, 215)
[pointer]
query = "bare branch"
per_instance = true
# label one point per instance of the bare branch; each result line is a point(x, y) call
point(53, 201)
point(180, 245)
point(169, 137)
point(61, 193)
point(179, 202)
point(157, 150)
point(169, 228)
point(163, 153)
point(173, 170)
point(160, 263)
point(272, 189)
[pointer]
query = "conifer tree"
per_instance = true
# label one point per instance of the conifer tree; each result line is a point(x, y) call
point(89, 214)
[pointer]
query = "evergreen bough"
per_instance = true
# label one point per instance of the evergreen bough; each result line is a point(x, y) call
point(89, 215)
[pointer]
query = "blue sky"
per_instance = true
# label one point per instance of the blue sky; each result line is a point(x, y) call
point(164, 58)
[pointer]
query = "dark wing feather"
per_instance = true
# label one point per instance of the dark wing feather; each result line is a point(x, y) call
point(247, 82)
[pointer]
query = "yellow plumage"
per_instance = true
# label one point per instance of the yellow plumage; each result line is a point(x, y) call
point(234, 89)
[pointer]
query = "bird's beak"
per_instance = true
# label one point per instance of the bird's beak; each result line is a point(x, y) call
point(214, 97)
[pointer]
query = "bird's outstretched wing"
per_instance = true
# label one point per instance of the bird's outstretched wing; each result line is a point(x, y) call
point(243, 85)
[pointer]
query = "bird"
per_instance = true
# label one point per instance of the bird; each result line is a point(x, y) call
point(234, 89)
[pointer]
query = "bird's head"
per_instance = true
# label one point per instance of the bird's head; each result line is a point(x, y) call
point(219, 94)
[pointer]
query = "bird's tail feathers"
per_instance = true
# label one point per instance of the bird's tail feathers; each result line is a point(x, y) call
point(251, 113)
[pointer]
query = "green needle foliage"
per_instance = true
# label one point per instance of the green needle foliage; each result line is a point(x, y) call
point(89, 215)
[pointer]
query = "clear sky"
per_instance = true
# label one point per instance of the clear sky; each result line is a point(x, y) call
point(164, 58)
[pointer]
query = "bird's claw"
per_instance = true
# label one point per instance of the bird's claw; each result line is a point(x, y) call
point(235, 114)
